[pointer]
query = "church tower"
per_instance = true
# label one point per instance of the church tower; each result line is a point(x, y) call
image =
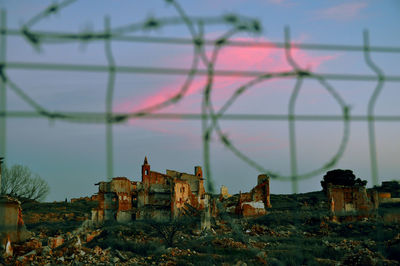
point(145, 171)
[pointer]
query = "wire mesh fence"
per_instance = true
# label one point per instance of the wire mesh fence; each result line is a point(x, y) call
point(209, 116)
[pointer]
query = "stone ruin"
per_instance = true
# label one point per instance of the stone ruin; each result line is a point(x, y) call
point(255, 202)
point(12, 226)
point(389, 192)
point(357, 202)
point(171, 195)
point(348, 199)
point(156, 196)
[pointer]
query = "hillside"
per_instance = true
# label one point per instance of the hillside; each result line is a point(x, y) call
point(296, 231)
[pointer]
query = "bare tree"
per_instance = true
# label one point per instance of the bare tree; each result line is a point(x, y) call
point(21, 183)
point(168, 229)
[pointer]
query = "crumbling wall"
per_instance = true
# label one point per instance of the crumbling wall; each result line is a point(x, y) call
point(351, 198)
point(253, 208)
point(155, 178)
point(114, 197)
point(110, 206)
point(389, 192)
point(246, 206)
point(120, 185)
point(124, 201)
point(224, 194)
point(257, 200)
point(195, 181)
point(373, 197)
point(11, 222)
point(262, 191)
point(391, 186)
point(181, 194)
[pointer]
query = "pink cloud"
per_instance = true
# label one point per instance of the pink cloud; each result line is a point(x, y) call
point(239, 58)
point(342, 12)
point(236, 58)
point(268, 59)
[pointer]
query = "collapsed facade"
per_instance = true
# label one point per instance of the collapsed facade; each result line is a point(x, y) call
point(12, 226)
point(255, 202)
point(157, 196)
point(389, 192)
point(351, 199)
point(355, 202)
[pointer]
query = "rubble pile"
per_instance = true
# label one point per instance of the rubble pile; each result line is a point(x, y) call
point(288, 234)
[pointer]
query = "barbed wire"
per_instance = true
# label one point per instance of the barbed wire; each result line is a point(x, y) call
point(210, 116)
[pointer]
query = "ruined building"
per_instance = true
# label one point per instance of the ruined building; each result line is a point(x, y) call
point(12, 226)
point(389, 192)
point(351, 199)
point(157, 196)
point(255, 202)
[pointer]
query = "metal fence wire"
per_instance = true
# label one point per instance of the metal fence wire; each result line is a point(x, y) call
point(209, 116)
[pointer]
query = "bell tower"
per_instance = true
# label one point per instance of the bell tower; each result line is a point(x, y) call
point(145, 171)
point(198, 172)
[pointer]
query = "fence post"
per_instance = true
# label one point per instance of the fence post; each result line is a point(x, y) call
point(3, 95)
point(109, 100)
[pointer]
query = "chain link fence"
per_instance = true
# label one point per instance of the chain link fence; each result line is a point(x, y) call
point(209, 116)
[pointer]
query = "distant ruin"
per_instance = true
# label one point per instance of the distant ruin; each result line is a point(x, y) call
point(171, 195)
point(348, 196)
point(345, 199)
point(157, 196)
point(389, 192)
point(255, 202)
point(12, 226)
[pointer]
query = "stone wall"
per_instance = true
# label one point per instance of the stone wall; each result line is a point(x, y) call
point(11, 223)
point(255, 202)
point(346, 199)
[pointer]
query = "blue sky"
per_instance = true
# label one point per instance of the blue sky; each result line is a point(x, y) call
point(72, 156)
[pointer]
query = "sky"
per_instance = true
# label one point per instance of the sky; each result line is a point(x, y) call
point(71, 156)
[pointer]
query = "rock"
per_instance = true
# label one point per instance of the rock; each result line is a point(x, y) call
point(9, 250)
point(78, 243)
point(91, 235)
point(97, 250)
point(120, 255)
point(46, 251)
point(27, 255)
point(54, 242)
point(33, 243)
point(31, 253)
